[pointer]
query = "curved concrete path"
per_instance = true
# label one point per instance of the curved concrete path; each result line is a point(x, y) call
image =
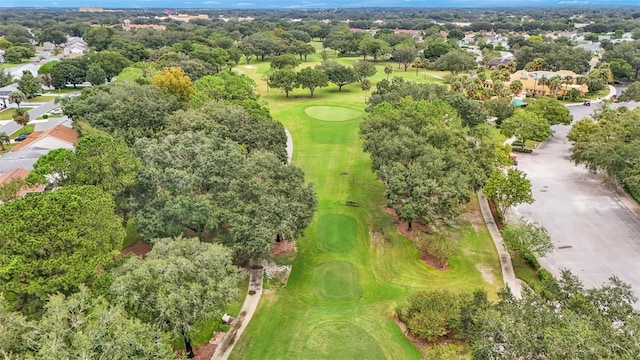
point(289, 145)
point(251, 301)
point(508, 275)
point(240, 323)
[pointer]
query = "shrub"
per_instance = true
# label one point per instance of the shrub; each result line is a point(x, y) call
point(45, 116)
point(430, 313)
point(544, 275)
point(522, 150)
point(440, 246)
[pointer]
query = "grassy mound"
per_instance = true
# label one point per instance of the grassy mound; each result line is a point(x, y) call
point(337, 281)
point(336, 233)
point(332, 113)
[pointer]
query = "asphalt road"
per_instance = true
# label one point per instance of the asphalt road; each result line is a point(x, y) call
point(594, 233)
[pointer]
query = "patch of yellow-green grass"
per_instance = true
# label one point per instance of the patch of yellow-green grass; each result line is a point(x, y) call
point(525, 272)
point(43, 98)
point(25, 129)
point(310, 317)
point(7, 148)
point(7, 114)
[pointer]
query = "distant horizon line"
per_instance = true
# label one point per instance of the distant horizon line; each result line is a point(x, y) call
point(566, 5)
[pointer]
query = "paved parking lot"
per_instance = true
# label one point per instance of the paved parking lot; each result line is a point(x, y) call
point(595, 234)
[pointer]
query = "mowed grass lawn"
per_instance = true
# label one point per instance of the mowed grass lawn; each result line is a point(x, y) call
point(353, 269)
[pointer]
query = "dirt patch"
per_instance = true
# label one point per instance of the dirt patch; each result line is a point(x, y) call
point(403, 226)
point(486, 272)
point(494, 213)
point(432, 261)
point(377, 237)
point(283, 247)
point(418, 343)
point(473, 216)
point(205, 351)
point(139, 248)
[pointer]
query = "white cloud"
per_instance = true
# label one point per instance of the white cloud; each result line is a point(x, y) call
point(211, 3)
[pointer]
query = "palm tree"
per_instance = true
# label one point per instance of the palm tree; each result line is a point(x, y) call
point(516, 86)
point(567, 80)
point(555, 83)
point(21, 116)
point(4, 140)
point(543, 82)
point(17, 97)
point(388, 69)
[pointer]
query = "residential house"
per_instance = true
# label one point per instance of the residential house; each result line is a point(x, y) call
point(57, 137)
point(20, 173)
point(74, 47)
point(128, 26)
point(25, 154)
point(496, 62)
point(531, 82)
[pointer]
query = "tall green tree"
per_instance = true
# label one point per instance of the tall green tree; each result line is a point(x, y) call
point(267, 198)
point(29, 85)
point(284, 80)
point(525, 126)
point(550, 109)
point(17, 97)
point(311, 79)
point(507, 190)
point(180, 282)
point(456, 61)
point(364, 70)
point(404, 54)
point(81, 327)
point(338, 74)
point(105, 162)
point(180, 182)
point(53, 167)
point(70, 234)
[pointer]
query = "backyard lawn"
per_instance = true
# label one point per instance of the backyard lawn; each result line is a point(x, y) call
point(353, 269)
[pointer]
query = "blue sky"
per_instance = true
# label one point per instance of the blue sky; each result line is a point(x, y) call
point(293, 4)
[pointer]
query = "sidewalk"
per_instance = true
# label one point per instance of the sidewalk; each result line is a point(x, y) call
point(244, 317)
point(508, 275)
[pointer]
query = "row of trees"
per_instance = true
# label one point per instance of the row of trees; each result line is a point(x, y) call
point(609, 144)
point(287, 79)
point(200, 165)
point(562, 320)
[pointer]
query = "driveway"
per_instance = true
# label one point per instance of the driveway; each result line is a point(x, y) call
point(594, 233)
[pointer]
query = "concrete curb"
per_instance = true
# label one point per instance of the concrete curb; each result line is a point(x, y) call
point(508, 274)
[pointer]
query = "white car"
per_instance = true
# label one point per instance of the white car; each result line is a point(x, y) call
point(56, 111)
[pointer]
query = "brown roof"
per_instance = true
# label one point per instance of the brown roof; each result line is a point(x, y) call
point(15, 174)
point(59, 131)
point(20, 174)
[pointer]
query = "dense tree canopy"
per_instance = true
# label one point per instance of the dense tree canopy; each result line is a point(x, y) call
point(54, 241)
point(427, 163)
point(122, 109)
point(180, 282)
point(267, 198)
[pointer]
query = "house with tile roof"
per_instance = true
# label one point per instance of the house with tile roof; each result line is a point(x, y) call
point(57, 137)
point(19, 173)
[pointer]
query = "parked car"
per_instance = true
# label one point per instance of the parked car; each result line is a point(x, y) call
point(21, 137)
point(56, 111)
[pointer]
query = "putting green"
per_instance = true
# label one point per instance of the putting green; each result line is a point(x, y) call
point(336, 233)
point(337, 281)
point(340, 340)
point(332, 113)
